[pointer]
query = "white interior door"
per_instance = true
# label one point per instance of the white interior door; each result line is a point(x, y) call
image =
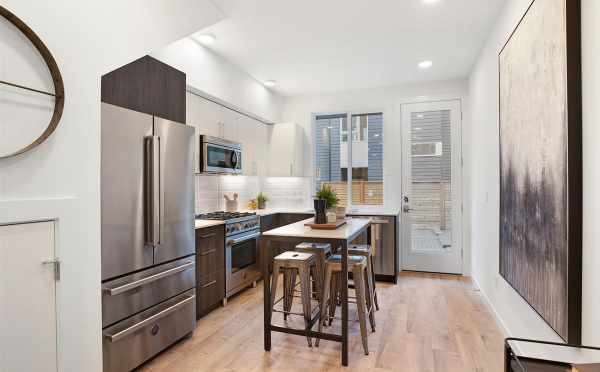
point(28, 340)
point(431, 188)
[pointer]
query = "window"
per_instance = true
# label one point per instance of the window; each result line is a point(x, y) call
point(333, 154)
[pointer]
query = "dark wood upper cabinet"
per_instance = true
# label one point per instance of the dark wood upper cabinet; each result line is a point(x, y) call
point(147, 85)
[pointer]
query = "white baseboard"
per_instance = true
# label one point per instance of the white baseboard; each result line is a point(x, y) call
point(491, 308)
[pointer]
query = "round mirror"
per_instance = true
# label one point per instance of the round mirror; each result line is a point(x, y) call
point(31, 88)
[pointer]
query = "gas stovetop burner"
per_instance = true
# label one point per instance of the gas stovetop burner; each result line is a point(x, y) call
point(224, 216)
point(236, 222)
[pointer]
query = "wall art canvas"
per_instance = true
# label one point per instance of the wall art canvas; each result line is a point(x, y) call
point(540, 163)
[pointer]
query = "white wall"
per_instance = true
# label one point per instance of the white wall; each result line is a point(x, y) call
point(213, 75)
point(300, 109)
point(61, 178)
point(482, 168)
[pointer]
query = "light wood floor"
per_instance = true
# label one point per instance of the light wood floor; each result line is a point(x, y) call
point(428, 322)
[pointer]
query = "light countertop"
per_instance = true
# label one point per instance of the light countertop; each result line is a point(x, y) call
point(200, 224)
point(298, 230)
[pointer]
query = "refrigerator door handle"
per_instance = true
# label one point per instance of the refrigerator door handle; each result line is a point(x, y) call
point(152, 189)
point(160, 195)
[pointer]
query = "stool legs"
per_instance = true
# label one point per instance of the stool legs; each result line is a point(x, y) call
point(372, 269)
point(289, 283)
point(324, 299)
point(331, 289)
point(306, 298)
point(359, 286)
point(276, 269)
point(370, 294)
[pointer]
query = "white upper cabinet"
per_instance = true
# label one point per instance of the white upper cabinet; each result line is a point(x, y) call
point(230, 121)
point(286, 150)
point(254, 139)
point(268, 150)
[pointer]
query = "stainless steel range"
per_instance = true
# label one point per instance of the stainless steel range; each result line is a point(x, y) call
point(242, 261)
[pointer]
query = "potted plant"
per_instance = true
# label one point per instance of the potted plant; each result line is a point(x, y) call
point(326, 200)
point(262, 200)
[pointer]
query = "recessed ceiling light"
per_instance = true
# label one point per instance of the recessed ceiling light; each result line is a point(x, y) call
point(270, 83)
point(430, 1)
point(207, 39)
point(425, 64)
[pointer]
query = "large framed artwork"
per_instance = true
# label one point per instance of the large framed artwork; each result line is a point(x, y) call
point(540, 163)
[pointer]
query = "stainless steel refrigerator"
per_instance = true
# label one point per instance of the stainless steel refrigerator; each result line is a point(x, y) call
point(148, 245)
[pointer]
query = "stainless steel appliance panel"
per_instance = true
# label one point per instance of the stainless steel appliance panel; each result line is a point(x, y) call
point(383, 236)
point(241, 261)
point(133, 341)
point(123, 134)
point(220, 156)
point(123, 297)
point(176, 221)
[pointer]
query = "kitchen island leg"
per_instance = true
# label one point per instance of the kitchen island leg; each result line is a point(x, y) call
point(266, 259)
point(344, 247)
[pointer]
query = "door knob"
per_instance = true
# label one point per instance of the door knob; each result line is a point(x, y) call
point(406, 208)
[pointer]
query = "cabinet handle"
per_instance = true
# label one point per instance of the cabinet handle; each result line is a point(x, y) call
point(291, 169)
point(209, 284)
point(208, 252)
point(207, 235)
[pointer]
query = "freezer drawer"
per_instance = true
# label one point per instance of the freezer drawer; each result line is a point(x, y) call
point(129, 295)
point(133, 341)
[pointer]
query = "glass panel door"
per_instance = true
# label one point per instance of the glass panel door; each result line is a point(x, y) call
point(431, 187)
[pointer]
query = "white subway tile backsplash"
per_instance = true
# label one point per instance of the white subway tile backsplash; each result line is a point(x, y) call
point(283, 192)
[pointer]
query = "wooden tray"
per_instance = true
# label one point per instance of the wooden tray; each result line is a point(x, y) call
point(326, 226)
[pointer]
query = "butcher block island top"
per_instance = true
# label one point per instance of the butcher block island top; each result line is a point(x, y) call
point(352, 228)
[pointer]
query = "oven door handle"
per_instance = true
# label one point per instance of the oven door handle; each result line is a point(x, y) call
point(243, 239)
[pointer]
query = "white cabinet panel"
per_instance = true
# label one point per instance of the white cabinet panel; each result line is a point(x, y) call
point(230, 122)
point(27, 298)
point(286, 150)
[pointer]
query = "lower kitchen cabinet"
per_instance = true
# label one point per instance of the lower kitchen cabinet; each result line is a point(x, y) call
point(210, 291)
point(210, 268)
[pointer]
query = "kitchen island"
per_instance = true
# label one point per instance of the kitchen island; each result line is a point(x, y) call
point(297, 233)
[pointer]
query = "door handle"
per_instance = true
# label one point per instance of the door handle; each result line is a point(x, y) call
point(406, 208)
point(208, 252)
point(152, 189)
point(56, 263)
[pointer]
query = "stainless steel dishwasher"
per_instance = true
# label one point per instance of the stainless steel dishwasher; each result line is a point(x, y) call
point(384, 239)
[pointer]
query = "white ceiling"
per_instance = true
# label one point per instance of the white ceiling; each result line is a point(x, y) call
point(315, 46)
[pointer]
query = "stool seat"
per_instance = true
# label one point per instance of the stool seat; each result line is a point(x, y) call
point(294, 256)
point(314, 248)
point(352, 260)
point(359, 249)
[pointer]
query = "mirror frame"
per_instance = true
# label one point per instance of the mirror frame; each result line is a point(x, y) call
point(59, 89)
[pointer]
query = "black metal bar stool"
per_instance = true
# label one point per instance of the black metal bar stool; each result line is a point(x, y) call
point(331, 288)
point(322, 252)
point(294, 264)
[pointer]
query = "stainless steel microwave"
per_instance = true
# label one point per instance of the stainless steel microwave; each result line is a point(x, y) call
point(220, 156)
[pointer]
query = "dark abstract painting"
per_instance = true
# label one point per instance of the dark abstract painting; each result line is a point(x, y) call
point(540, 122)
